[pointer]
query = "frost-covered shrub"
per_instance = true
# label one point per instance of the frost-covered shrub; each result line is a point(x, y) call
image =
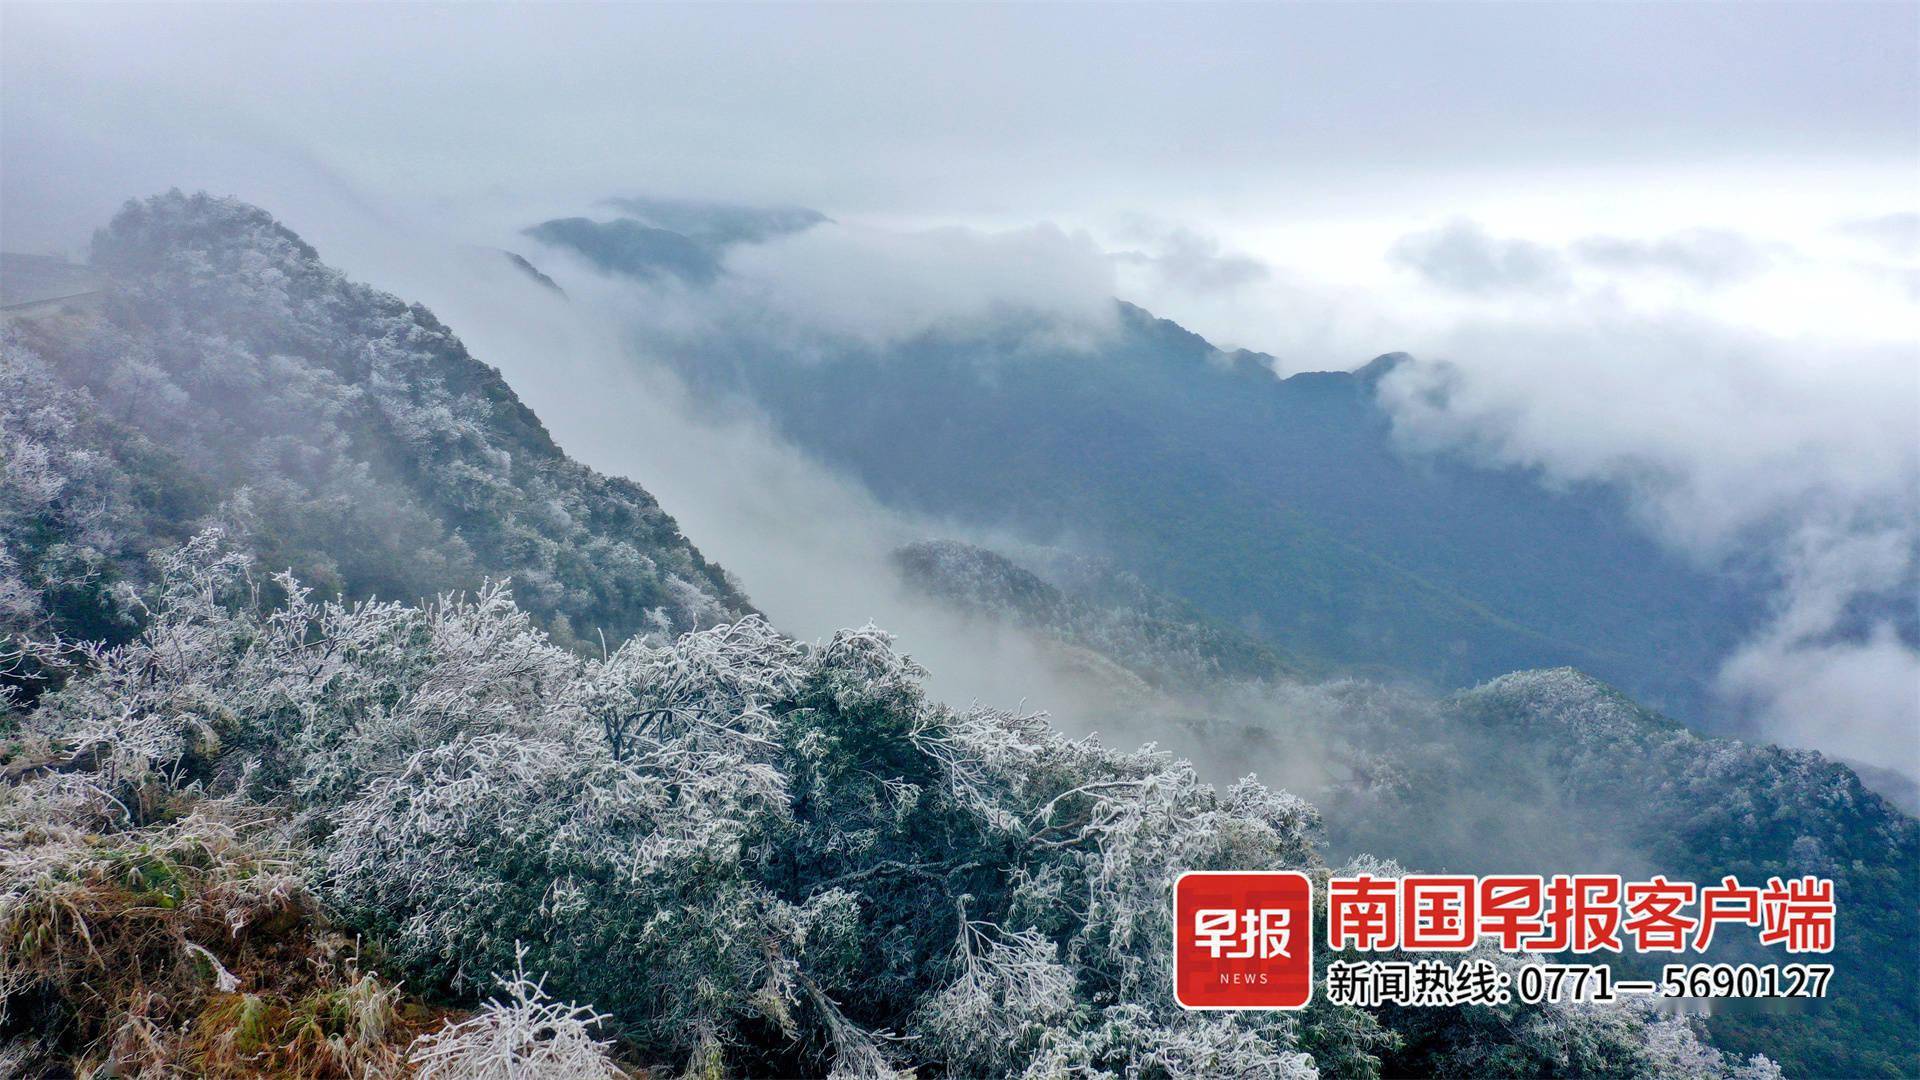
point(356, 690)
point(627, 882)
point(1130, 1042)
point(703, 685)
point(638, 880)
point(524, 1035)
point(1011, 990)
point(1675, 1050)
point(313, 699)
point(157, 707)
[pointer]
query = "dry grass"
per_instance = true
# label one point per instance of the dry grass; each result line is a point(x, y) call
point(184, 947)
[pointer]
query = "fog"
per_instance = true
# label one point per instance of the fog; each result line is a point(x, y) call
point(1668, 248)
point(809, 547)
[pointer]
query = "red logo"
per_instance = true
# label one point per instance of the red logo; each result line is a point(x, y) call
point(1242, 940)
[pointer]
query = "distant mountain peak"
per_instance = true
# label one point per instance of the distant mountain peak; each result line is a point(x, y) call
point(633, 249)
point(520, 263)
point(1381, 366)
point(656, 239)
point(715, 222)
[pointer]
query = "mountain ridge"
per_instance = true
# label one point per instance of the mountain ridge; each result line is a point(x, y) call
point(1287, 505)
point(231, 377)
point(1547, 770)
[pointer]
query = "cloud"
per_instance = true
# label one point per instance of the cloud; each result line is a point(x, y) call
point(1735, 447)
point(1720, 433)
point(1186, 259)
point(1709, 257)
point(1897, 235)
point(838, 284)
point(1856, 695)
point(1277, 111)
point(1463, 257)
point(882, 286)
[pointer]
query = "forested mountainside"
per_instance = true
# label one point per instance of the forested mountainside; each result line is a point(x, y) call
point(279, 832)
point(1090, 603)
point(334, 430)
point(671, 238)
point(1535, 772)
point(1281, 506)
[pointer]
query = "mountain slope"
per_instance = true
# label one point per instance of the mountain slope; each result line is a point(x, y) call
point(1282, 506)
point(232, 377)
point(1089, 604)
point(1536, 772)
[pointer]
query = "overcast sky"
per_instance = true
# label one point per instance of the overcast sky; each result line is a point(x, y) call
point(1673, 246)
point(1307, 136)
point(1261, 113)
